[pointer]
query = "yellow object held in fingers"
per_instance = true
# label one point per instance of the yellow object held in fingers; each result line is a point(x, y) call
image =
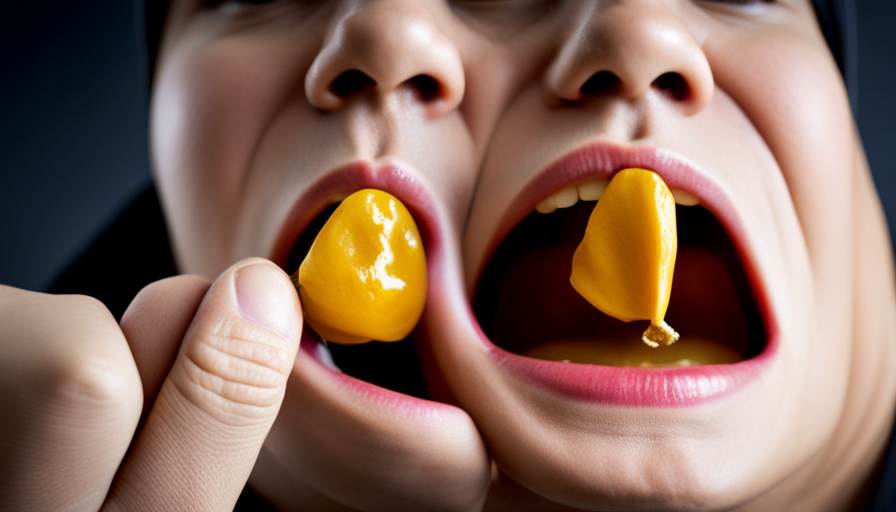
point(364, 277)
point(624, 264)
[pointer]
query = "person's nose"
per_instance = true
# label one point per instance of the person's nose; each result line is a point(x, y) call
point(629, 49)
point(384, 47)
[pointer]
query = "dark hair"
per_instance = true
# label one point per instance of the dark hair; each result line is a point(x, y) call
point(836, 18)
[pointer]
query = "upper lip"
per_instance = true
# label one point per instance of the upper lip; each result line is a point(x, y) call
point(391, 177)
point(646, 385)
point(603, 160)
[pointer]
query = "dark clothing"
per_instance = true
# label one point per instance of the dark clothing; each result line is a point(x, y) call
point(884, 497)
point(134, 251)
point(131, 253)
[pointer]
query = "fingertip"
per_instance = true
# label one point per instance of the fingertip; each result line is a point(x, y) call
point(241, 344)
point(266, 297)
point(224, 388)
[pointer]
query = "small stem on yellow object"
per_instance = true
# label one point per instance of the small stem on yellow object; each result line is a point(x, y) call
point(662, 333)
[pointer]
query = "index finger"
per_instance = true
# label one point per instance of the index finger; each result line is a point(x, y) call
point(220, 398)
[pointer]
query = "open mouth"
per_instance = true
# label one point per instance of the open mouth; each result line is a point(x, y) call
point(394, 366)
point(526, 305)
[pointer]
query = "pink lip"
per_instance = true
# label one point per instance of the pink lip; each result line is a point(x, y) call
point(636, 387)
point(333, 187)
point(409, 406)
point(350, 178)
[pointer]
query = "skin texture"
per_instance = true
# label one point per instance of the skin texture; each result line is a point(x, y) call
point(214, 359)
point(246, 120)
point(764, 116)
point(767, 119)
point(234, 156)
point(74, 379)
point(223, 390)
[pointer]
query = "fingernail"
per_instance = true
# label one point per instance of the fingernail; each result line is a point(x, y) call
point(265, 298)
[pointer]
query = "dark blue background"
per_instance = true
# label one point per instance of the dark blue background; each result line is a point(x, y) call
point(73, 124)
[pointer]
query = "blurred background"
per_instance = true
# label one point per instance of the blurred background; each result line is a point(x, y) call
point(73, 124)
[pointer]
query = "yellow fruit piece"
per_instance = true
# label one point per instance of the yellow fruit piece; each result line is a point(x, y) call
point(364, 277)
point(624, 264)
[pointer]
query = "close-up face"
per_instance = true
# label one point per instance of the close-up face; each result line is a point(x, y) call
point(266, 114)
point(499, 124)
point(737, 106)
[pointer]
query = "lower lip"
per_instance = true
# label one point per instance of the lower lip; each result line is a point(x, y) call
point(397, 402)
point(636, 387)
point(341, 182)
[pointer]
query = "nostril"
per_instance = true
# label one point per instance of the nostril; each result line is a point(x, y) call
point(601, 82)
point(350, 83)
point(427, 87)
point(673, 84)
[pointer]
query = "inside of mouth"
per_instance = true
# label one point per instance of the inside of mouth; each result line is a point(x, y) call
point(526, 305)
point(394, 366)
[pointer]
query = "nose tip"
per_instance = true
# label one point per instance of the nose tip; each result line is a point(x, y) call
point(386, 48)
point(629, 52)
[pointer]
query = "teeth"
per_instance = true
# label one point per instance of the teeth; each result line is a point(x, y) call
point(588, 191)
point(684, 198)
point(547, 206)
point(592, 191)
point(566, 197)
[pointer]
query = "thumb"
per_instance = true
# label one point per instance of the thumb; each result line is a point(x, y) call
point(219, 400)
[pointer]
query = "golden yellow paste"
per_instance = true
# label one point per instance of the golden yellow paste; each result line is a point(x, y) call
point(624, 264)
point(364, 277)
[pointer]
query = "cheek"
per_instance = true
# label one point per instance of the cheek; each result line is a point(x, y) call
point(212, 104)
point(793, 94)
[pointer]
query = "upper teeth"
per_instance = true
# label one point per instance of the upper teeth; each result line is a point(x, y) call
point(684, 198)
point(592, 190)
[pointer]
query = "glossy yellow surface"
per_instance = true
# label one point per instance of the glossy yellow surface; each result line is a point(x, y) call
point(364, 277)
point(624, 264)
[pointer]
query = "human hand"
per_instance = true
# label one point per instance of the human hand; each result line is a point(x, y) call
point(215, 357)
point(212, 383)
point(335, 445)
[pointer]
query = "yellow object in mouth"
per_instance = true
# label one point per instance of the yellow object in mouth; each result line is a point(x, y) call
point(624, 264)
point(364, 277)
point(616, 351)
